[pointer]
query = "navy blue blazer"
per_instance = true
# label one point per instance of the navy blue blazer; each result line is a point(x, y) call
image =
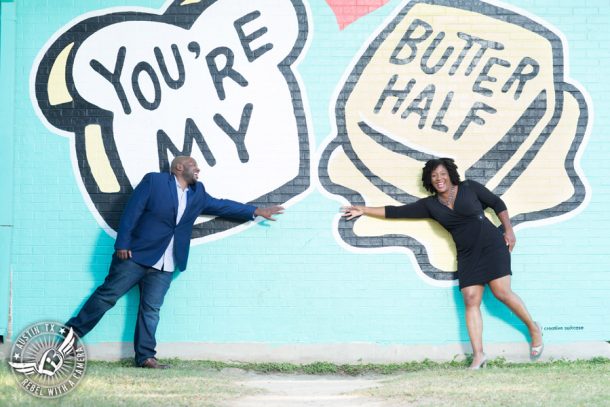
point(149, 219)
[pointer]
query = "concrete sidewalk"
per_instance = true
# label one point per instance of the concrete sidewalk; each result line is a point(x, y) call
point(309, 391)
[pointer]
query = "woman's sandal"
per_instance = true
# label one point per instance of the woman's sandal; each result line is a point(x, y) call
point(480, 365)
point(536, 351)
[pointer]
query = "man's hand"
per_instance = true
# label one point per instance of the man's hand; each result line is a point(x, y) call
point(268, 213)
point(123, 254)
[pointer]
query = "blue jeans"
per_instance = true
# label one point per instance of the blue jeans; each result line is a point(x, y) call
point(122, 276)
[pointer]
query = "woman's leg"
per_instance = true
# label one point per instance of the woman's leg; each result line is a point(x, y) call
point(502, 291)
point(474, 322)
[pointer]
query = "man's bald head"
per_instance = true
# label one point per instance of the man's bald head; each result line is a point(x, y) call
point(185, 170)
point(179, 161)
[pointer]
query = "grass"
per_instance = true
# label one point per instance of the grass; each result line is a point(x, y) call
point(560, 383)
point(208, 383)
point(120, 384)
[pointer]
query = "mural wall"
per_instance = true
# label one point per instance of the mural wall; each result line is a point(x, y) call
point(467, 80)
point(310, 104)
point(133, 89)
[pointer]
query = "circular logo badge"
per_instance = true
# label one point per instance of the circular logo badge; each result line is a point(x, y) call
point(48, 359)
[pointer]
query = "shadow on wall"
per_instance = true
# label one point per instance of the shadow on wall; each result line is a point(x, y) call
point(493, 307)
point(126, 310)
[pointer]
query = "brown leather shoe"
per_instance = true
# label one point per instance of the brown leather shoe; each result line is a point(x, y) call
point(152, 363)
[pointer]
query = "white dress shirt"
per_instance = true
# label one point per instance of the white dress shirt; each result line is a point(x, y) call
point(166, 262)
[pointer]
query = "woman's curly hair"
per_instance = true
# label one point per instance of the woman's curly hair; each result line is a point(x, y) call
point(431, 165)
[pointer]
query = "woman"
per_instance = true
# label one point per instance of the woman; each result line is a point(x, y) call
point(483, 253)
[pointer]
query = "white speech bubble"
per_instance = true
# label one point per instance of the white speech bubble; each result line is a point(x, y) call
point(208, 79)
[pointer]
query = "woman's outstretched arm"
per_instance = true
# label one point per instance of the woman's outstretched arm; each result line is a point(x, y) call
point(353, 211)
point(415, 210)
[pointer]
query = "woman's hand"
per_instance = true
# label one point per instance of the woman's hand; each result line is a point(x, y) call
point(509, 235)
point(351, 212)
point(510, 239)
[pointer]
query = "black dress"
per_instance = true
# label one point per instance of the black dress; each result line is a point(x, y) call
point(482, 253)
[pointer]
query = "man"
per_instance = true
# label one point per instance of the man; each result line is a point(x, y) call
point(152, 241)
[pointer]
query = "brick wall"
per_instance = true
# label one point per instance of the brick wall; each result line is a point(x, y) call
point(310, 278)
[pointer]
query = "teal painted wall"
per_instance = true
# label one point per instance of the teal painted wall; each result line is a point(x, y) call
point(7, 70)
point(294, 281)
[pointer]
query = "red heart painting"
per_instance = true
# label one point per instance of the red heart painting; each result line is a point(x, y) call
point(348, 11)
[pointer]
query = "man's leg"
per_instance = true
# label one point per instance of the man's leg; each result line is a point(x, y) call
point(152, 292)
point(123, 275)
